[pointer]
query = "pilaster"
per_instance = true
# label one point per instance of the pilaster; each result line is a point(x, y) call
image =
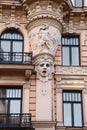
point(85, 106)
point(26, 95)
point(59, 108)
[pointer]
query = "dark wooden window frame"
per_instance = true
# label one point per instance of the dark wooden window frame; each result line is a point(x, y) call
point(70, 46)
point(72, 104)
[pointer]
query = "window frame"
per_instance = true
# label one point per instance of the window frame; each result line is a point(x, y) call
point(70, 47)
point(72, 108)
point(9, 99)
point(12, 41)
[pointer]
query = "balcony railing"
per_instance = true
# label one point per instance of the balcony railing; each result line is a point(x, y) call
point(15, 58)
point(15, 121)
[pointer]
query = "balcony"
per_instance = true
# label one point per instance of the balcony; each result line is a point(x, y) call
point(15, 121)
point(15, 58)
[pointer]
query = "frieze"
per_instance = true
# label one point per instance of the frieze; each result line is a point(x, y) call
point(71, 70)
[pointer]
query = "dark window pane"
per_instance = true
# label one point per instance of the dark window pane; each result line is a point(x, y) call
point(3, 106)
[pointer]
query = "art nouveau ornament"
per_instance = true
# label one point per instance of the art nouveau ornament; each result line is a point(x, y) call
point(44, 68)
point(44, 39)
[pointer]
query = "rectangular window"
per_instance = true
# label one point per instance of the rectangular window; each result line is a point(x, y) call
point(72, 106)
point(78, 3)
point(70, 50)
point(10, 100)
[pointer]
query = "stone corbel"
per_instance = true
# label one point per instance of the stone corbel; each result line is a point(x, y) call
point(27, 74)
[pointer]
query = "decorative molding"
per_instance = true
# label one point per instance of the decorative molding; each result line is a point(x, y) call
point(26, 85)
point(44, 39)
point(27, 74)
point(46, 10)
point(12, 23)
point(44, 67)
point(58, 89)
point(60, 70)
point(60, 124)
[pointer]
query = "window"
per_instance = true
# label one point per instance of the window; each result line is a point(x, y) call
point(70, 50)
point(11, 46)
point(72, 106)
point(10, 100)
point(78, 3)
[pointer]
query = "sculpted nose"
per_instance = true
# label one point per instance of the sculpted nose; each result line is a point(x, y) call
point(44, 66)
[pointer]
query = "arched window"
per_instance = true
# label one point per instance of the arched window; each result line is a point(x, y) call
point(11, 46)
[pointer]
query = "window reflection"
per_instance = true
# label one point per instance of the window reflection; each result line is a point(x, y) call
point(72, 103)
point(70, 50)
point(11, 46)
point(10, 100)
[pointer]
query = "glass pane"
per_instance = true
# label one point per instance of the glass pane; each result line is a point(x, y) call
point(79, 97)
point(13, 93)
point(78, 3)
point(2, 93)
point(75, 55)
point(67, 114)
point(5, 46)
point(3, 106)
point(65, 54)
point(17, 46)
point(15, 106)
point(77, 115)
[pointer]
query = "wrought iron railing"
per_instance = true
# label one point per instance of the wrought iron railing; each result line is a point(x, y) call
point(15, 120)
point(15, 58)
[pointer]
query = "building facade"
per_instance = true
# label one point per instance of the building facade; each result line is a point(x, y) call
point(43, 64)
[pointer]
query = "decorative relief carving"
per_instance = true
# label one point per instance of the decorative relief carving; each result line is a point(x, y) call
point(27, 74)
point(58, 89)
point(71, 70)
point(12, 23)
point(44, 68)
point(44, 39)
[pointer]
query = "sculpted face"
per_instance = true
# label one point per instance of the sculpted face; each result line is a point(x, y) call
point(44, 68)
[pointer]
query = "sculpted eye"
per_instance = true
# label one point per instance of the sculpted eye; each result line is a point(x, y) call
point(41, 65)
point(47, 65)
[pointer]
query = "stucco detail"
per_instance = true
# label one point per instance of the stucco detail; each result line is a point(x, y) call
point(44, 39)
point(44, 67)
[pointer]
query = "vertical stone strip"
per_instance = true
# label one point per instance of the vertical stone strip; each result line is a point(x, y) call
point(59, 107)
point(85, 107)
point(26, 94)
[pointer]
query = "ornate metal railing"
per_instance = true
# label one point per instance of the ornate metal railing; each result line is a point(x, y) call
point(15, 120)
point(15, 58)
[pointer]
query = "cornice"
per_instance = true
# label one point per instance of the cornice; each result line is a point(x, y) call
point(47, 10)
point(10, 2)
